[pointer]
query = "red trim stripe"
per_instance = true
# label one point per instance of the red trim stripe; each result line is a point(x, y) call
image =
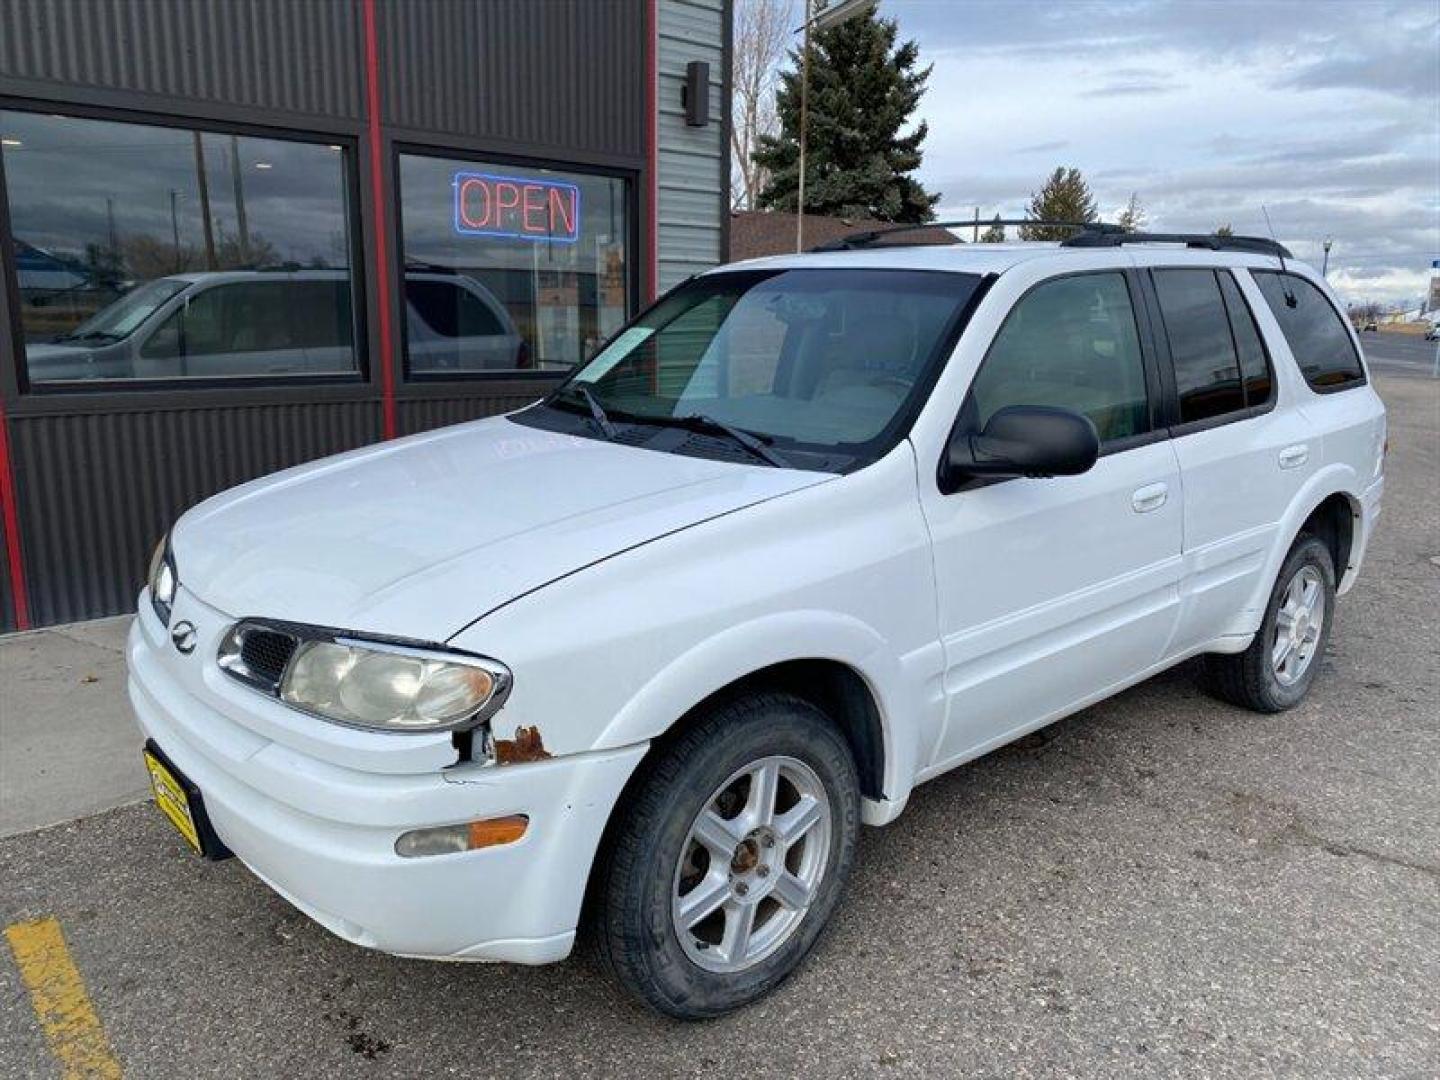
point(14, 563)
point(652, 150)
point(382, 246)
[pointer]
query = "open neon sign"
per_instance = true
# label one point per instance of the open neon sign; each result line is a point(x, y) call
point(516, 208)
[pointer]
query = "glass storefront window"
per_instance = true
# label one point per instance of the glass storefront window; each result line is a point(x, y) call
point(507, 268)
point(147, 252)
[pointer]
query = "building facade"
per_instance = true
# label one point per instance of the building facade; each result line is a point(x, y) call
point(237, 236)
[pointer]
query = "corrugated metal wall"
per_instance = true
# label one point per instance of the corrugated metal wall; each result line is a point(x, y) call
point(260, 54)
point(556, 80)
point(97, 490)
point(691, 160)
point(538, 90)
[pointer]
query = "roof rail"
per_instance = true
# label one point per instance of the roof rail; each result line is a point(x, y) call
point(1087, 234)
point(868, 239)
point(1256, 245)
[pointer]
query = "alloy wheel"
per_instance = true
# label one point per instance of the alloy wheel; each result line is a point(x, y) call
point(1298, 623)
point(751, 864)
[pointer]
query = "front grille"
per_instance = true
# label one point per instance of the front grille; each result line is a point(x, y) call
point(265, 653)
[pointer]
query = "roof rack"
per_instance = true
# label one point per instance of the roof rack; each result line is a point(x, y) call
point(1256, 245)
point(867, 239)
point(1087, 234)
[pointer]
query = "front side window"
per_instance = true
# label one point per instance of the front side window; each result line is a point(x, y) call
point(509, 269)
point(113, 224)
point(1069, 343)
point(1316, 334)
point(809, 361)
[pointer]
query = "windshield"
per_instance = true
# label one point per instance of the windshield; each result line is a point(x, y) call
point(818, 359)
point(122, 317)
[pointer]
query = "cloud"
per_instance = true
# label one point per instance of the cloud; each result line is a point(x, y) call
point(1042, 147)
point(1327, 114)
point(1130, 88)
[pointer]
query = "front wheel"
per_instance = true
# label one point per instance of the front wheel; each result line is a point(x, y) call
point(729, 858)
point(1280, 665)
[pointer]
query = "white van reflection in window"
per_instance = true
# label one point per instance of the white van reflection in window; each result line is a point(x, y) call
point(258, 323)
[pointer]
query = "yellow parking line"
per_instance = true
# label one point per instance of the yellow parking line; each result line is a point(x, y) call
point(61, 1004)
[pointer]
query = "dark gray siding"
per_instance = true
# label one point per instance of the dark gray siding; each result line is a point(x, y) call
point(554, 80)
point(7, 598)
point(98, 490)
point(537, 74)
point(260, 54)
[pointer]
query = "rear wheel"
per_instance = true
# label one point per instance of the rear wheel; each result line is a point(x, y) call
point(730, 857)
point(1280, 665)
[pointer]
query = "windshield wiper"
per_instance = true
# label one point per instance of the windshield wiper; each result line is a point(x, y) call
point(750, 441)
point(597, 413)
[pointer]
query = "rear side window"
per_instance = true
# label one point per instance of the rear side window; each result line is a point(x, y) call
point(451, 310)
point(1197, 325)
point(1313, 329)
point(1254, 364)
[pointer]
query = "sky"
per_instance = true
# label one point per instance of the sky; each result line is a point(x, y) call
point(1324, 112)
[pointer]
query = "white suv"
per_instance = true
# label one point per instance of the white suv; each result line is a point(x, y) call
point(810, 531)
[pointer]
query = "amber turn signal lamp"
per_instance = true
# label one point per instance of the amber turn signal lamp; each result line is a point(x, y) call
point(453, 839)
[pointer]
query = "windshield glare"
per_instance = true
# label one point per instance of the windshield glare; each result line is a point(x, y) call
point(823, 358)
point(124, 315)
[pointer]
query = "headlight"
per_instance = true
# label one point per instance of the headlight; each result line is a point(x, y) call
point(382, 685)
point(162, 579)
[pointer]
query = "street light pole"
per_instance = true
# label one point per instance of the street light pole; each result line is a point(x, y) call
point(1325, 263)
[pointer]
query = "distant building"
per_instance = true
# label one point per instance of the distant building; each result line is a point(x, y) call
point(754, 233)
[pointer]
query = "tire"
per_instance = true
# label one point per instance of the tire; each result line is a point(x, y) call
point(1251, 679)
point(657, 864)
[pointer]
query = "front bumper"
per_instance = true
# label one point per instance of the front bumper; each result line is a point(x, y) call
point(322, 834)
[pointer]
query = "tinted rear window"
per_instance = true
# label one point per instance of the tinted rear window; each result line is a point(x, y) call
point(1313, 329)
point(1207, 371)
point(1254, 364)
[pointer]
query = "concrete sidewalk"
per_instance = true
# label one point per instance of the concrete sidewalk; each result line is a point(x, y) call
point(69, 746)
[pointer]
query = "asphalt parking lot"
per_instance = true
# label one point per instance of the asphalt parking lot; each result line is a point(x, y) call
point(1400, 354)
point(1160, 885)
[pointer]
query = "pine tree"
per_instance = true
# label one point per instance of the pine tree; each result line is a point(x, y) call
point(1224, 230)
point(995, 234)
point(1064, 197)
point(1132, 218)
point(863, 92)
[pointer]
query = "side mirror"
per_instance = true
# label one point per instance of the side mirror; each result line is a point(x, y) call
point(1025, 440)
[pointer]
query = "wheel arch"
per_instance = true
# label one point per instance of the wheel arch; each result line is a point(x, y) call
point(1327, 505)
point(836, 662)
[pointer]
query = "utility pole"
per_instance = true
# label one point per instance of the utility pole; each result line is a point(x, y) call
point(204, 184)
point(239, 185)
point(804, 117)
point(174, 230)
point(1325, 263)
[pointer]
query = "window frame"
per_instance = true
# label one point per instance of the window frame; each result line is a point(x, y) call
point(1350, 335)
point(412, 381)
point(24, 398)
point(1178, 429)
point(1154, 388)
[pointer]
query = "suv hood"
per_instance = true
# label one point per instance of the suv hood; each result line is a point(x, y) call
point(420, 537)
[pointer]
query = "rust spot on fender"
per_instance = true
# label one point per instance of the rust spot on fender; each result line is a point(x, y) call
point(526, 746)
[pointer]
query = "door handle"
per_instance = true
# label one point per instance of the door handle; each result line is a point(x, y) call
point(1292, 457)
point(1150, 497)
